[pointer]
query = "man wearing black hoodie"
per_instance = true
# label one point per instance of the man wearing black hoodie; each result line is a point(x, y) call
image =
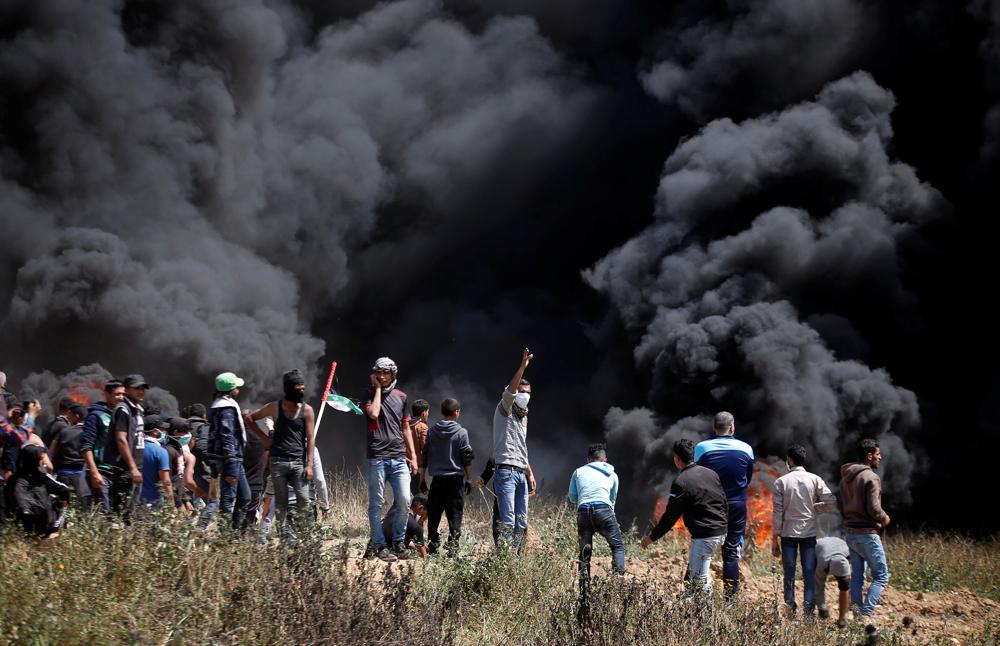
point(95, 437)
point(447, 457)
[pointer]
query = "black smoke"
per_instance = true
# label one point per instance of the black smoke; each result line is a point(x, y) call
point(771, 207)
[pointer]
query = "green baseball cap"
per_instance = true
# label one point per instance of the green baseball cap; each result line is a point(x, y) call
point(227, 381)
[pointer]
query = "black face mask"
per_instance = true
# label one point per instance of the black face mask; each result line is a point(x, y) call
point(295, 395)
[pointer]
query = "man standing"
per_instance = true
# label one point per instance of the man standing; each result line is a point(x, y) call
point(420, 411)
point(861, 497)
point(94, 440)
point(125, 445)
point(833, 558)
point(156, 484)
point(447, 457)
point(293, 445)
point(59, 423)
point(593, 488)
point(390, 456)
point(697, 495)
point(513, 480)
point(798, 495)
point(227, 438)
point(733, 461)
point(65, 451)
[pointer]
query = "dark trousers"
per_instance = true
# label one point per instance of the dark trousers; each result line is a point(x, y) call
point(732, 548)
point(123, 495)
point(445, 496)
point(235, 498)
point(600, 520)
point(806, 550)
point(99, 497)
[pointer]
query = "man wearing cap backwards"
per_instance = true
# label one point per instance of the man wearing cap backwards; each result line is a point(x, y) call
point(125, 446)
point(513, 480)
point(64, 449)
point(227, 438)
point(292, 447)
point(59, 423)
point(733, 461)
point(390, 456)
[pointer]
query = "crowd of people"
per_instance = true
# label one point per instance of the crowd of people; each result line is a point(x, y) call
point(246, 468)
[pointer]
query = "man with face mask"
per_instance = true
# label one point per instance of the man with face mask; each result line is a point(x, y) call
point(513, 480)
point(155, 464)
point(292, 447)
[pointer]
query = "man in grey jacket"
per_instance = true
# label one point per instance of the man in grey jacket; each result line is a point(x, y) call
point(447, 457)
point(861, 495)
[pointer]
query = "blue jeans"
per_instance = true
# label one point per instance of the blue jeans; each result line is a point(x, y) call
point(806, 548)
point(600, 520)
point(235, 497)
point(866, 549)
point(700, 561)
point(732, 548)
point(397, 472)
point(511, 489)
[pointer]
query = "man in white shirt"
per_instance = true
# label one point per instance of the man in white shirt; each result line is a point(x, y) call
point(798, 496)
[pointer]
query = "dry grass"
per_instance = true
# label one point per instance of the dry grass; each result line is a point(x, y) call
point(162, 584)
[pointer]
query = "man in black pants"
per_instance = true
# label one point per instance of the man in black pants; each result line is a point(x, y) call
point(447, 457)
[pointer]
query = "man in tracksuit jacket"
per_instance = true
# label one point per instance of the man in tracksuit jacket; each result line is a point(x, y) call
point(593, 488)
point(447, 458)
point(733, 461)
point(861, 499)
point(698, 496)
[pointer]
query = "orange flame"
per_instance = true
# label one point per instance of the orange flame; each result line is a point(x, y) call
point(679, 531)
point(760, 502)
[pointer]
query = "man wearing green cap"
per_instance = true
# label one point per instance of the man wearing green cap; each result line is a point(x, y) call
point(227, 437)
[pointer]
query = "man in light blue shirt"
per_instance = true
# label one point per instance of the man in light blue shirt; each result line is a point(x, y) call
point(594, 489)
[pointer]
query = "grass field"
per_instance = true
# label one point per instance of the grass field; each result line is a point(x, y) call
point(160, 583)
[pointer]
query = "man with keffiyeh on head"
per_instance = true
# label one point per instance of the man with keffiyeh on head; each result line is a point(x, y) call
point(390, 456)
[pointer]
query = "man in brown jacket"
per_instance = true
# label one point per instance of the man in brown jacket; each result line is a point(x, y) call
point(419, 412)
point(861, 498)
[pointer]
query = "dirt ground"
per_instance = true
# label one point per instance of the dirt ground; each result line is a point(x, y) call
point(958, 616)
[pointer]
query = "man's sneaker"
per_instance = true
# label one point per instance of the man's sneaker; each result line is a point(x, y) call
point(402, 553)
point(386, 555)
point(370, 552)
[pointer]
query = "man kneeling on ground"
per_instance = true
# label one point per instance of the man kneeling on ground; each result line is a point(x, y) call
point(414, 538)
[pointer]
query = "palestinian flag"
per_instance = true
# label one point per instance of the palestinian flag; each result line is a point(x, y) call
point(343, 404)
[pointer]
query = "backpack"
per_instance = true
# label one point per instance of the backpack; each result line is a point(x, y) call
point(199, 436)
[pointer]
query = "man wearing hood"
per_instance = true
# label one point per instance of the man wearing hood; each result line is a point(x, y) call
point(593, 488)
point(448, 459)
point(513, 480)
point(96, 432)
point(390, 456)
point(293, 445)
point(861, 497)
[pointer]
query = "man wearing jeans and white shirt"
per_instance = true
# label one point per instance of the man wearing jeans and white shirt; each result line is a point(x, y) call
point(594, 490)
point(861, 495)
point(798, 496)
point(697, 494)
point(390, 457)
point(513, 480)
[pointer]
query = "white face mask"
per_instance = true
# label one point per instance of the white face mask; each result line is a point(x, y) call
point(521, 400)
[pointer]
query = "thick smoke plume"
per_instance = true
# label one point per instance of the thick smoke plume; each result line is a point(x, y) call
point(768, 52)
point(729, 302)
point(183, 184)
